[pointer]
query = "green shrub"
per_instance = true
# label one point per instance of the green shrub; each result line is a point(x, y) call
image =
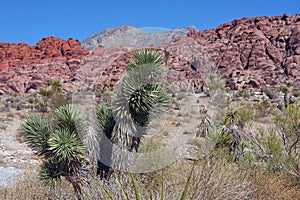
point(53, 87)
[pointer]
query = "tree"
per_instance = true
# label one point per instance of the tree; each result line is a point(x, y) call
point(288, 124)
point(140, 96)
point(232, 130)
point(60, 145)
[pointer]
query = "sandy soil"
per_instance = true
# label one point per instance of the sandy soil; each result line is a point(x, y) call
point(15, 156)
point(14, 152)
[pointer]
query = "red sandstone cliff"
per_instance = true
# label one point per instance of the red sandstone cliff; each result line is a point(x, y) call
point(255, 52)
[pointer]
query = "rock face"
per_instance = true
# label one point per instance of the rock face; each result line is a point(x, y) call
point(132, 37)
point(184, 65)
point(25, 68)
point(255, 52)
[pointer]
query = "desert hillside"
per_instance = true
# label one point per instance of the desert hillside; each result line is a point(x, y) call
point(249, 53)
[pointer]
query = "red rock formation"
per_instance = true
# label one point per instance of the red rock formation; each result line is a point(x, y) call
point(25, 68)
point(109, 66)
point(256, 52)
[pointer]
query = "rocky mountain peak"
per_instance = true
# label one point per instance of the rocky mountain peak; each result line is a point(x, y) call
point(132, 37)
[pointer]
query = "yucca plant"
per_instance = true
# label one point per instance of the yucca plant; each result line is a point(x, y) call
point(60, 144)
point(140, 96)
point(105, 119)
point(231, 127)
point(144, 57)
point(100, 146)
point(205, 127)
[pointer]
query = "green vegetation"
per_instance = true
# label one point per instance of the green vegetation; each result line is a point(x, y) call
point(59, 143)
point(241, 150)
point(53, 87)
point(140, 96)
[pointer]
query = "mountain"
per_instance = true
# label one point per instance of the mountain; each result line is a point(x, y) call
point(132, 37)
point(255, 52)
point(26, 68)
point(252, 53)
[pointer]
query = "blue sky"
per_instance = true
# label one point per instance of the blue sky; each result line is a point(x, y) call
point(31, 20)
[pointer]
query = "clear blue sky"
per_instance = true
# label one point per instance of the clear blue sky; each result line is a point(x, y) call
point(30, 20)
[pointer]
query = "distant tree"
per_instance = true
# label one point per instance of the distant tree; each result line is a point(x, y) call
point(232, 124)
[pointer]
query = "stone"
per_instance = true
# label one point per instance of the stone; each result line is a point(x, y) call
point(250, 52)
point(26, 68)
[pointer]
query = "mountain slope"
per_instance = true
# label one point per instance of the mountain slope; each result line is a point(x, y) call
point(26, 68)
point(132, 37)
point(248, 53)
point(255, 52)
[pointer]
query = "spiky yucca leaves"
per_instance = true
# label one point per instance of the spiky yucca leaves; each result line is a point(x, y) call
point(139, 98)
point(232, 117)
point(101, 145)
point(232, 125)
point(70, 117)
point(145, 56)
point(50, 174)
point(145, 100)
point(61, 144)
point(140, 95)
point(37, 131)
point(66, 146)
point(105, 119)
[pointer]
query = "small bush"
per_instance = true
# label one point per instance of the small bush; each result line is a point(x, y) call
point(269, 93)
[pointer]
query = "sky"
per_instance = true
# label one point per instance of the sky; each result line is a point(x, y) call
point(31, 20)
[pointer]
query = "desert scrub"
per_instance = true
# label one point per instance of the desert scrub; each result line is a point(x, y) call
point(288, 127)
point(209, 178)
point(273, 185)
point(28, 186)
point(52, 87)
point(269, 92)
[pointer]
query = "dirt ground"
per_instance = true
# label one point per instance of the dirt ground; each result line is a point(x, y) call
point(13, 151)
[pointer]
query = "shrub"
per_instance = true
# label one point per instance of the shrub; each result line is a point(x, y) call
point(269, 92)
point(53, 87)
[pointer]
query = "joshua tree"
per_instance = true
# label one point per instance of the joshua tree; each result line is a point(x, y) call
point(139, 97)
point(231, 128)
point(60, 145)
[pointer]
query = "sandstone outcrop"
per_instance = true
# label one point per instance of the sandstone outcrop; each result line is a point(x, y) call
point(248, 53)
point(25, 68)
point(255, 52)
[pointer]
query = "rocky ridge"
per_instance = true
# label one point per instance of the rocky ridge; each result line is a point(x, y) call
point(132, 37)
point(248, 53)
point(255, 52)
point(25, 68)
